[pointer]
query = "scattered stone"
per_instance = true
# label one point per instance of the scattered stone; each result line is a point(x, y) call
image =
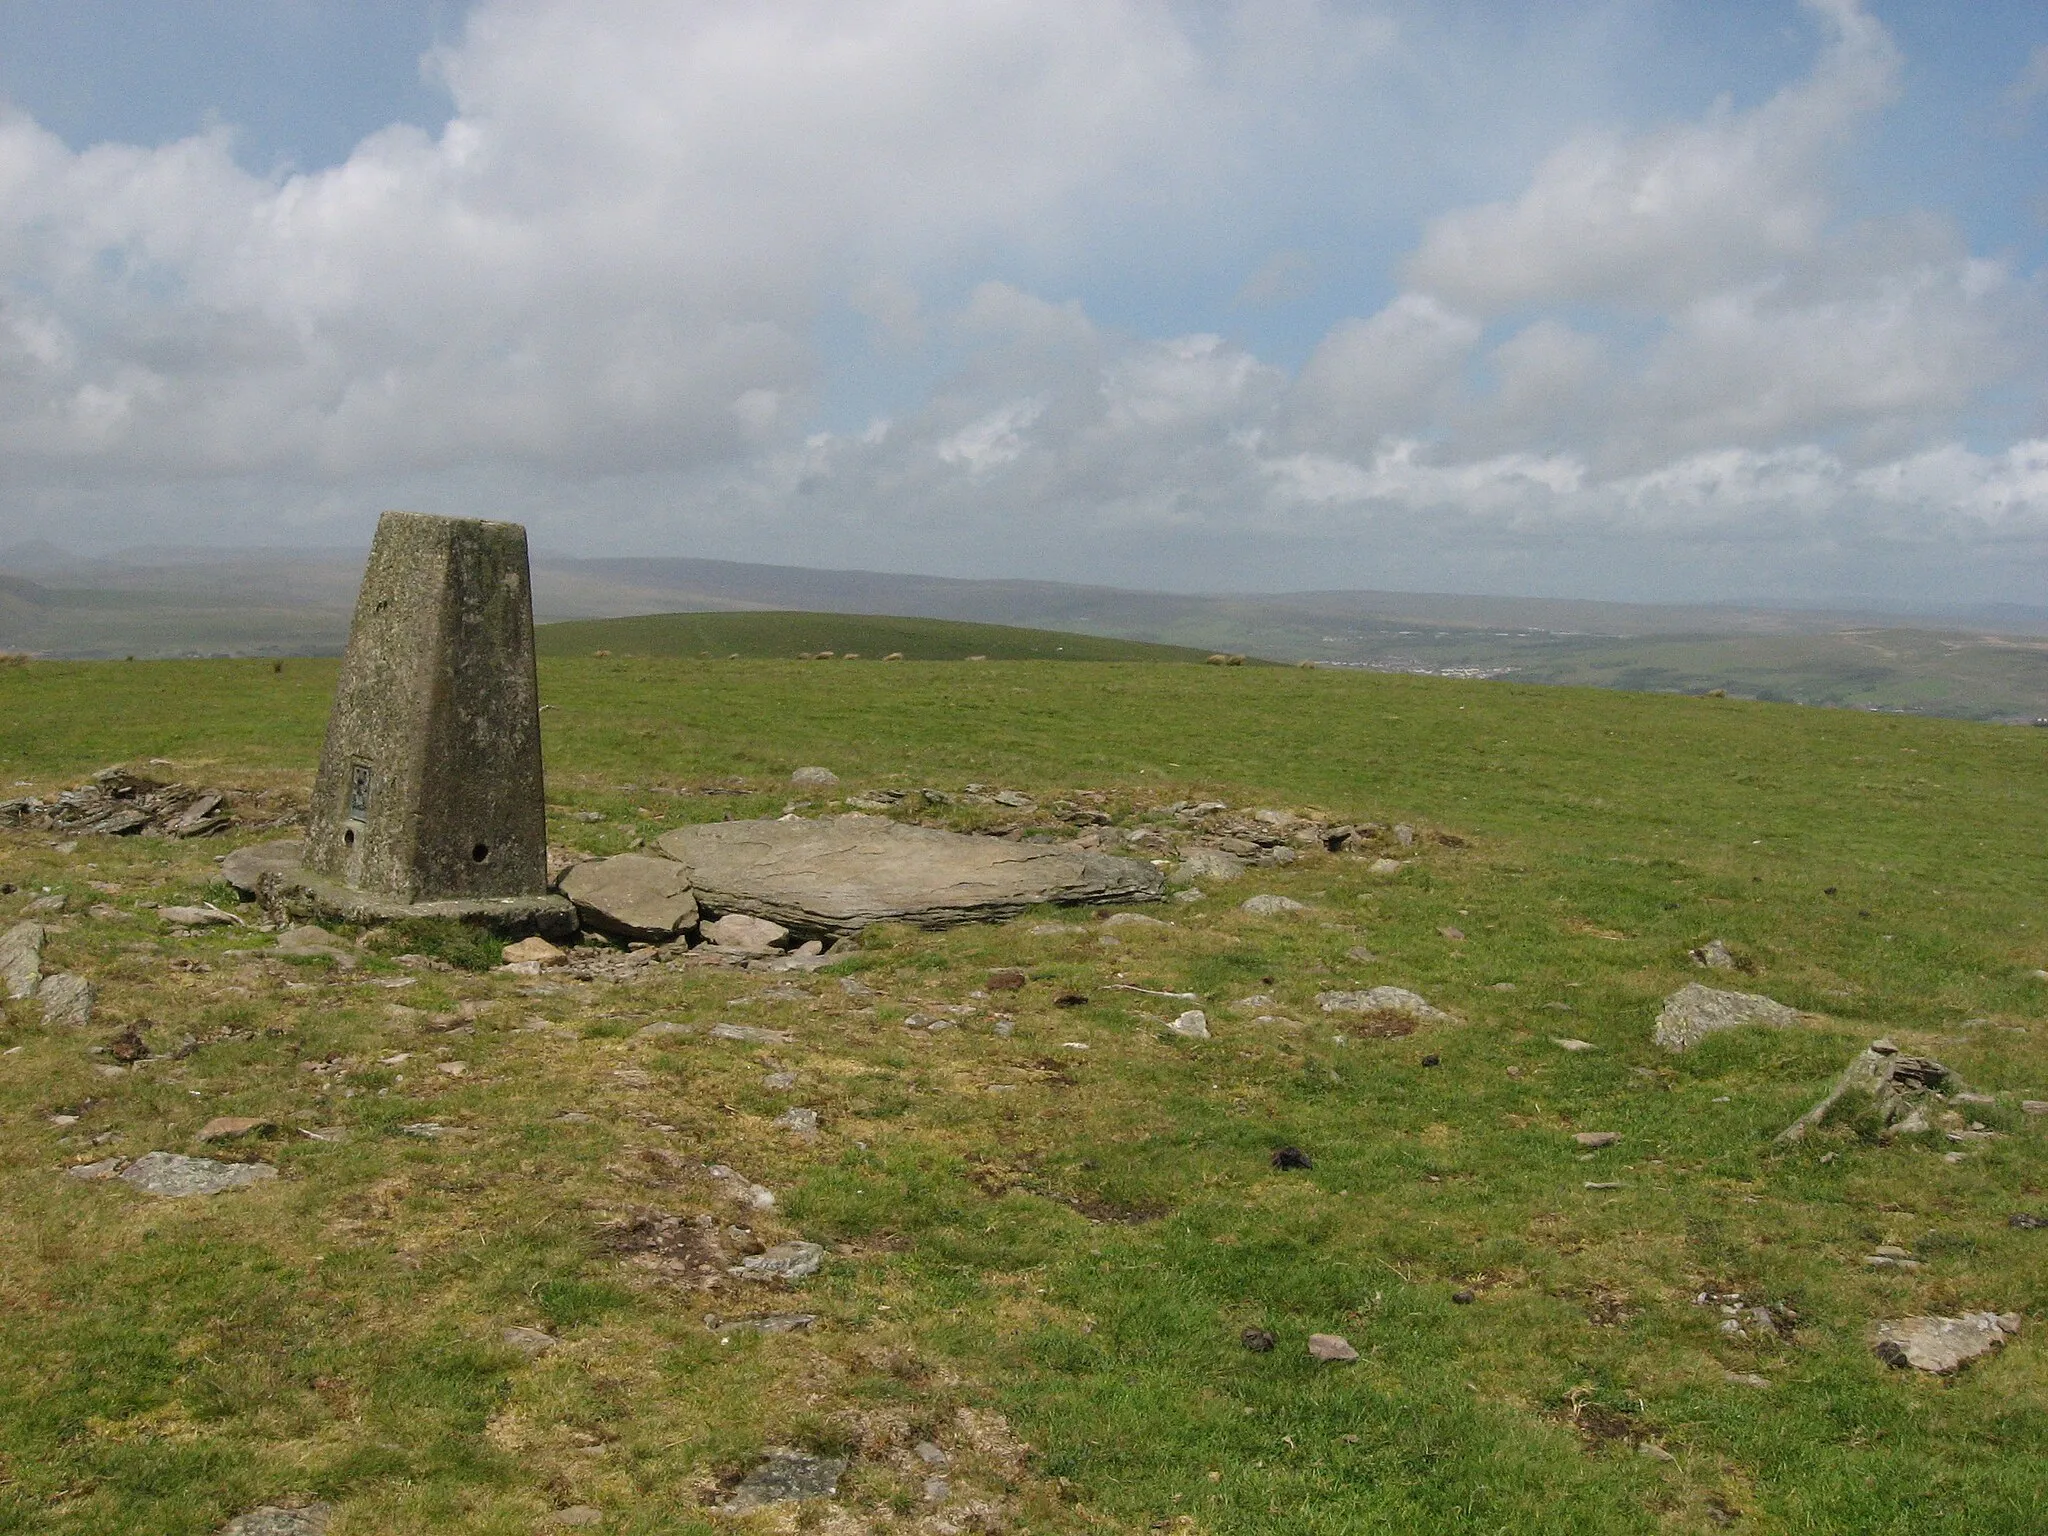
point(1382, 1000)
point(1133, 920)
point(1455, 935)
point(779, 1082)
point(577, 1515)
point(661, 1029)
point(1404, 835)
point(2034, 1106)
point(275, 1520)
point(47, 905)
point(308, 942)
point(837, 876)
point(535, 951)
point(434, 1130)
point(737, 1186)
point(1192, 1025)
point(1897, 1084)
point(1746, 1379)
point(2026, 1222)
point(21, 959)
point(930, 1454)
point(1191, 894)
point(117, 803)
point(1567, 1044)
point(1008, 979)
point(1253, 1004)
point(1693, 1012)
point(67, 1001)
point(1591, 1139)
point(529, 1341)
point(1714, 956)
point(107, 1167)
point(1384, 867)
point(752, 1034)
point(632, 897)
point(1942, 1345)
point(1209, 864)
point(199, 917)
point(767, 1322)
point(751, 935)
point(1331, 1348)
point(814, 778)
point(1257, 1340)
point(802, 1122)
point(232, 1127)
point(1269, 905)
point(245, 868)
point(785, 1261)
point(1291, 1157)
point(784, 1477)
point(175, 1177)
point(1602, 1184)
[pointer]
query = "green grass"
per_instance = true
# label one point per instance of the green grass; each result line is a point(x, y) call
point(1078, 1255)
point(755, 636)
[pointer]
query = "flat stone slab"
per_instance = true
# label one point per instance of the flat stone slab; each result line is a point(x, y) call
point(1694, 1012)
point(1942, 1344)
point(272, 1520)
point(837, 876)
point(1383, 1000)
point(245, 868)
point(21, 960)
point(175, 1177)
point(298, 892)
point(631, 896)
point(785, 1476)
point(67, 1001)
point(785, 1261)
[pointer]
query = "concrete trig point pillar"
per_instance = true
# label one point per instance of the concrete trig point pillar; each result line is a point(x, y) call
point(429, 799)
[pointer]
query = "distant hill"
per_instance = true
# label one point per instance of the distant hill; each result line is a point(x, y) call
point(786, 635)
point(1989, 663)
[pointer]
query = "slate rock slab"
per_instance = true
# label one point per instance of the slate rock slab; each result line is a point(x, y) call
point(785, 1476)
point(1209, 864)
point(632, 896)
point(175, 1177)
point(839, 875)
point(308, 941)
point(67, 1001)
point(245, 868)
point(1271, 906)
point(21, 959)
point(1383, 1000)
point(1942, 1345)
point(747, 934)
point(785, 1261)
point(1694, 1012)
point(271, 1520)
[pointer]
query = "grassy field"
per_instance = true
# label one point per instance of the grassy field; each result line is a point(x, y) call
point(858, 637)
point(1067, 1263)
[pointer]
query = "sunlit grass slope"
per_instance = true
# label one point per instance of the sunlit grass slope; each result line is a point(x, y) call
point(782, 636)
point(1069, 1225)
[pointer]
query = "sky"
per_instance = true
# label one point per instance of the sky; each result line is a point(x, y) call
point(1657, 300)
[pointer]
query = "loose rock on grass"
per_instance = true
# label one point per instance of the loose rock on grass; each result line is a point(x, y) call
point(175, 1178)
point(1942, 1345)
point(1694, 1012)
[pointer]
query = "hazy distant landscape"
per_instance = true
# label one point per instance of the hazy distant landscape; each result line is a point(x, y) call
point(1989, 664)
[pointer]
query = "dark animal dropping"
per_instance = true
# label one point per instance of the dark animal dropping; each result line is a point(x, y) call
point(1291, 1157)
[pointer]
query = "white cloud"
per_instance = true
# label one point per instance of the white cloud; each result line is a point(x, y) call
point(1665, 216)
point(607, 298)
point(1390, 373)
